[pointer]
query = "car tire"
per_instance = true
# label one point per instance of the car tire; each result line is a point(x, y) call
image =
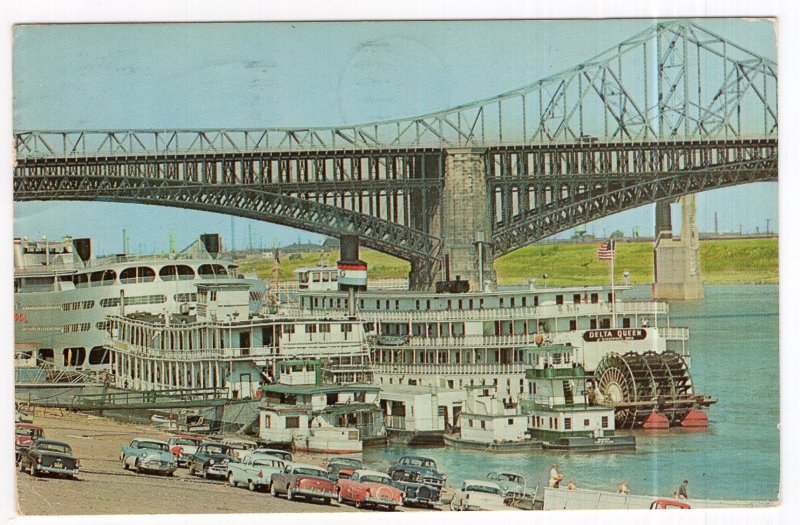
point(272, 490)
point(251, 486)
point(289, 495)
point(326, 501)
point(359, 504)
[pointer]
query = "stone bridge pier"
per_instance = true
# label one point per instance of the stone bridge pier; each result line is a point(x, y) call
point(677, 261)
point(466, 227)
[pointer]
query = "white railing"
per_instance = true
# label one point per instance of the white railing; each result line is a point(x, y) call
point(679, 333)
point(422, 341)
point(450, 368)
point(395, 422)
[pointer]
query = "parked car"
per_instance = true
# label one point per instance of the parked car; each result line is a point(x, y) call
point(416, 494)
point(254, 471)
point(151, 455)
point(512, 484)
point(303, 481)
point(368, 487)
point(210, 460)
point(423, 469)
point(283, 455)
point(240, 448)
point(668, 504)
point(183, 446)
point(342, 467)
point(24, 435)
point(476, 494)
point(46, 456)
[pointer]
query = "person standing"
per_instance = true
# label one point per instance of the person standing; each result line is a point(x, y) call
point(681, 492)
point(555, 477)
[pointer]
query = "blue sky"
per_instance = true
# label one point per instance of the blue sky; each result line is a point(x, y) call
point(302, 74)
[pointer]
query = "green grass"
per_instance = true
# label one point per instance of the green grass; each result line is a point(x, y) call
point(734, 261)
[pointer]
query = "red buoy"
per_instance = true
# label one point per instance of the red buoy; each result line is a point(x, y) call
point(695, 418)
point(657, 421)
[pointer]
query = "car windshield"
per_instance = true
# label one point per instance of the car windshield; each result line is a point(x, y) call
point(186, 441)
point(510, 477)
point(268, 463)
point(286, 456)
point(153, 445)
point(33, 432)
point(482, 488)
point(54, 447)
point(376, 479)
point(310, 472)
point(217, 449)
point(422, 462)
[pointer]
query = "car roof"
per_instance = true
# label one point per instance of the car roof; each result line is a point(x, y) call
point(417, 457)
point(308, 465)
point(481, 482)
point(151, 440)
point(28, 425)
point(364, 472)
point(258, 458)
point(270, 451)
point(52, 441)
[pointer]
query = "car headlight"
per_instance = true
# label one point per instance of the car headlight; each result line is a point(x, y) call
point(145, 454)
point(210, 461)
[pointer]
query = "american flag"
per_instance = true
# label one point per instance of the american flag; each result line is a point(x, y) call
point(606, 250)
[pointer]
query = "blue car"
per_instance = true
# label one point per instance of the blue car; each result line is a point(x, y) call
point(149, 455)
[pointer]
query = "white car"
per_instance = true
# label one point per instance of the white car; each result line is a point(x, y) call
point(476, 494)
point(254, 472)
point(240, 448)
point(511, 483)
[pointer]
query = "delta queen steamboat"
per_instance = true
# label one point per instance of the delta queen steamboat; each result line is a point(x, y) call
point(63, 295)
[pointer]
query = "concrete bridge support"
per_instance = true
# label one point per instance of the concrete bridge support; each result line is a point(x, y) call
point(466, 222)
point(677, 261)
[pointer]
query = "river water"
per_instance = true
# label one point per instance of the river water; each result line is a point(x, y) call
point(734, 348)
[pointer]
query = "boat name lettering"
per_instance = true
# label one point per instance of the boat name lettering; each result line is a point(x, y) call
point(615, 334)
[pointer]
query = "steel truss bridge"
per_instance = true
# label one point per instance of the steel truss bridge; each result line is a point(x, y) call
point(671, 111)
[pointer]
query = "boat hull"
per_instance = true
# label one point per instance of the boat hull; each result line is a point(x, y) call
point(592, 444)
point(502, 446)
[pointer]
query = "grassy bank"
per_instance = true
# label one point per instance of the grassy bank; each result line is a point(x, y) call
point(733, 261)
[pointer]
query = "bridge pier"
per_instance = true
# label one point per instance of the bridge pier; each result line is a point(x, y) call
point(466, 223)
point(677, 261)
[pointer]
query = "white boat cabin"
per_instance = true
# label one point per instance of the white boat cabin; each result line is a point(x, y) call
point(488, 419)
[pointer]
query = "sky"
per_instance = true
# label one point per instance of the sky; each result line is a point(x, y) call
point(141, 76)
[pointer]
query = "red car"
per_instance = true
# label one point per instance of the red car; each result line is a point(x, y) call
point(24, 435)
point(662, 504)
point(303, 481)
point(368, 487)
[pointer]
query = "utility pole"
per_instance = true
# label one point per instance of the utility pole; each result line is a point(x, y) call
point(716, 224)
point(767, 226)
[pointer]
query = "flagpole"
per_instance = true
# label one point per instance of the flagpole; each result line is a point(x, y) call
point(613, 298)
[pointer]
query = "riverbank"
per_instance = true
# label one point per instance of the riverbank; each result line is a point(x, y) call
point(722, 261)
point(104, 487)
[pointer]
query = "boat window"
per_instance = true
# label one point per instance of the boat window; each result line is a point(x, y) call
point(99, 355)
point(45, 354)
point(137, 274)
point(179, 272)
point(212, 271)
point(81, 280)
point(74, 356)
point(103, 278)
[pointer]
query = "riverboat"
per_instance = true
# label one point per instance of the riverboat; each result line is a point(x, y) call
point(63, 295)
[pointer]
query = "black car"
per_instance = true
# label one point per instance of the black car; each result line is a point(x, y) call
point(418, 469)
point(46, 456)
point(342, 467)
point(211, 460)
point(416, 494)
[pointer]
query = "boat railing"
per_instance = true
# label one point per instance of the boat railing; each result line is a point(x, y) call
point(678, 333)
point(450, 368)
point(456, 341)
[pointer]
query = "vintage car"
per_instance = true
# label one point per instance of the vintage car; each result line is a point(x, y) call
point(183, 446)
point(210, 460)
point(342, 467)
point(512, 484)
point(45, 456)
point(303, 481)
point(24, 435)
point(667, 504)
point(240, 448)
point(369, 488)
point(151, 455)
point(416, 494)
point(423, 469)
point(476, 494)
point(283, 455)
point(254, 471)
